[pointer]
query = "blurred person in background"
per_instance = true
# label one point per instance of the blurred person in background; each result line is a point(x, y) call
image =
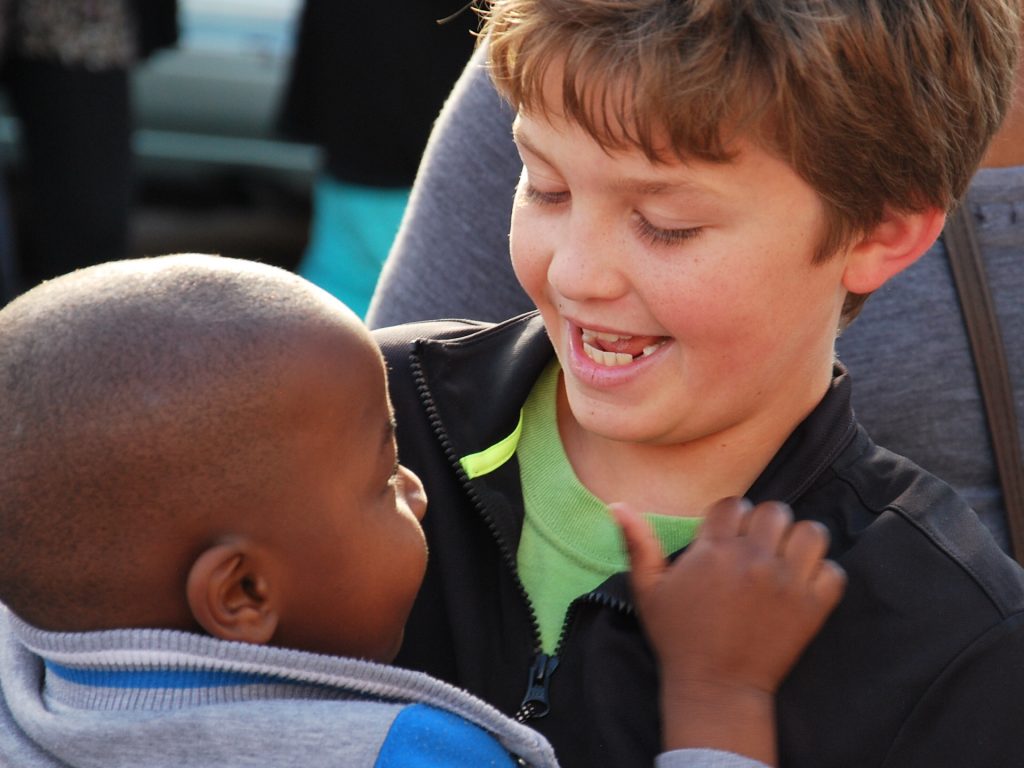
point(367, 82)
point(66, 67)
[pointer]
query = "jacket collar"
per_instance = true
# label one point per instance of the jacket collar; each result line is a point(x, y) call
point(498, 365)
point(478, 382)
point(811, 448)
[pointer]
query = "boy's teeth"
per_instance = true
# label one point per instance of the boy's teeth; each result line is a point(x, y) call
point(612, 359)
point(589, 336)
point(602, 357)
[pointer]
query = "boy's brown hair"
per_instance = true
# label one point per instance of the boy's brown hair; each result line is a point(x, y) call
point(873, 103)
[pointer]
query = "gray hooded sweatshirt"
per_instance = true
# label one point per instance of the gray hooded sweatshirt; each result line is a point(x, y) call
point(151, 697)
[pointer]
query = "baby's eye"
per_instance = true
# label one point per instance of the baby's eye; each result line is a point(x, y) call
point(658, 236)
point(534, 195)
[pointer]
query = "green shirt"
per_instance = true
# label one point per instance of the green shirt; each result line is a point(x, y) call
point(570, 543)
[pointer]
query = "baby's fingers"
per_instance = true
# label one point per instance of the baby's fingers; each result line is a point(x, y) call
point(725, 519)
point(828, 585)
point(805, 547)
point(822, 581)
point(804, 551)
point(647, 563)
point(767, 526)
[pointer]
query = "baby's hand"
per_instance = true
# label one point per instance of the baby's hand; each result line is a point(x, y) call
point(739, 606)
point(729, 618)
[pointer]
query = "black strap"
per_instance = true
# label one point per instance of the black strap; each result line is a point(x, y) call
point(990, 361)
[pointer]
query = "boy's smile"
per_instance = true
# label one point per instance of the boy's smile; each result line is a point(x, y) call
point(681, 298)
point(604, 357)
point(613, 349)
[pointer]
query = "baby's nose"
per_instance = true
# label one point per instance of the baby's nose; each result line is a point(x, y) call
point(415, 496)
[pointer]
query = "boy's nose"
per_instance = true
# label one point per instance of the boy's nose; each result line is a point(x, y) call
point(584, 266)
point(415, 496)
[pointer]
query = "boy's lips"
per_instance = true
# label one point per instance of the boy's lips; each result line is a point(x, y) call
point(606, 357)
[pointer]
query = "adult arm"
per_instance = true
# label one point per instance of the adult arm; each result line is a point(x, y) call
point(450, 258)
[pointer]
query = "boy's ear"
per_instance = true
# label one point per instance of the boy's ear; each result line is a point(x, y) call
point(231, 593)
point(899, 240)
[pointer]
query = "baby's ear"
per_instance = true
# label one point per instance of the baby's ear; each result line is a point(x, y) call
point(899, 240)
point(232, 594)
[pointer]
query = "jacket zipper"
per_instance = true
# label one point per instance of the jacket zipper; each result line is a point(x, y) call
point(543, 666)
point(536, 701)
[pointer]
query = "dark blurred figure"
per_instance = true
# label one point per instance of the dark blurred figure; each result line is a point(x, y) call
point(66, 67)
point(366, 85)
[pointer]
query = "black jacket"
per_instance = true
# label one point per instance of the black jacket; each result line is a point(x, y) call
point(922, 664)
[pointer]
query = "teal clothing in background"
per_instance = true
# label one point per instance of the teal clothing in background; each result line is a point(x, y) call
point(352, 231)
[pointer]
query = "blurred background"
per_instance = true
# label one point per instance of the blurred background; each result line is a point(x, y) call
point(213, 173)
point(141, 127)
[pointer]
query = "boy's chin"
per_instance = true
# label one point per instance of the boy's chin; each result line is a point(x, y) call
point(617, 423)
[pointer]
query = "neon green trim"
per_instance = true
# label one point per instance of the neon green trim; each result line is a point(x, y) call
point(489, 459)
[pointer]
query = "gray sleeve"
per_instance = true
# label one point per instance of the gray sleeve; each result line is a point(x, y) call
point(450, 258)
point(704, 758)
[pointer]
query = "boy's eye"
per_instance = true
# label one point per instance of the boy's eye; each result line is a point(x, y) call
point(659, 236)
point(534, 195)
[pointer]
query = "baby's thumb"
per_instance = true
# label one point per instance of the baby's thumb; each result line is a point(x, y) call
point(647, 563)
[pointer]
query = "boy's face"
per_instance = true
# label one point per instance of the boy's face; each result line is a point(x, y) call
point(353, 550)
point(681, 299)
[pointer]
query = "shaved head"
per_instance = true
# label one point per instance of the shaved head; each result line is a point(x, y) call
point(141, 406)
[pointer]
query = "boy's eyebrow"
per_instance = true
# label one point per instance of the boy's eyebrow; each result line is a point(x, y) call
point(650, 188)
point(524, 143)
point(647, 187)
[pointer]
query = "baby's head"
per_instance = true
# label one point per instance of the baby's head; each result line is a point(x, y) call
point(205, 444)
point(874, 104)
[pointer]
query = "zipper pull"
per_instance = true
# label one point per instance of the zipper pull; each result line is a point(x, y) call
point(535, 702)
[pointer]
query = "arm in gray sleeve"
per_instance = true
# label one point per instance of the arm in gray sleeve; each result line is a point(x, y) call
point(450, 258)
point(704, 758)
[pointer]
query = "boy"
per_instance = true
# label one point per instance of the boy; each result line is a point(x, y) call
point(451, 260)
point(709, 191)
point(199, 462)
